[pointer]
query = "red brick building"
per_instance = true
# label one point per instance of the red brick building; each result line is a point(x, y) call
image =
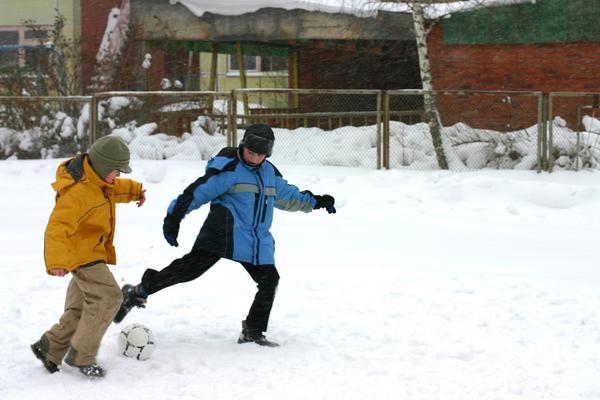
point(347, 52)
point(94, 17)
point(547, 46)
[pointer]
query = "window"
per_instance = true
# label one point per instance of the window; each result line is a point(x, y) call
point(37, 33)
point(262, 64)
point(250, 63)
point(273, 64)
point(21, 35)
point(35, 57)
point(9, 58)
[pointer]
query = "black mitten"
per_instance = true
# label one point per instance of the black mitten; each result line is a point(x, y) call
point(325, 201)
point(171, 229)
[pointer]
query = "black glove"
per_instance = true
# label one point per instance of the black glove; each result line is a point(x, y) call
point(171, 229)
point(326, 201)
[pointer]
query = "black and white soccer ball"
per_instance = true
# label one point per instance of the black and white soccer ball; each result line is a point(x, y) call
point(136, 341)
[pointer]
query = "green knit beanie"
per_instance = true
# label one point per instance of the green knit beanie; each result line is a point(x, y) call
point(109, 153)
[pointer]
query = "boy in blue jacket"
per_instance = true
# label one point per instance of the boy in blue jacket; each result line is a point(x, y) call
point(243, 189)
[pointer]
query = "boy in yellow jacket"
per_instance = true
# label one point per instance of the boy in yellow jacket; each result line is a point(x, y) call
point(78, 240)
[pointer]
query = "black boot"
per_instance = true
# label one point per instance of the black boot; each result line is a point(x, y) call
point(41, 353)
point(91, 371)
point(131, 298)
point(254, 335)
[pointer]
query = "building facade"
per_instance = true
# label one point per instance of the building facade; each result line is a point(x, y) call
point(27, 23)
point(546, 45)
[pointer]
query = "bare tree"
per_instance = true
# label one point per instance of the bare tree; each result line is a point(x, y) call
point(426, 14)
point(431, 109)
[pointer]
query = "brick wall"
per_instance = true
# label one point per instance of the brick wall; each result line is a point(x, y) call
point(568, 67)
point(94, 15)
point(352, 65)
point(544, 67)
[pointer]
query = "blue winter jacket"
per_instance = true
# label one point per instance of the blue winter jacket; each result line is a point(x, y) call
point(241, 211)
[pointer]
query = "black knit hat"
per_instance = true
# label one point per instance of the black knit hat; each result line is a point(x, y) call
point(259, 138)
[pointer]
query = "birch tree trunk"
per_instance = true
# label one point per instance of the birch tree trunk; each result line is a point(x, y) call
point(431, 110)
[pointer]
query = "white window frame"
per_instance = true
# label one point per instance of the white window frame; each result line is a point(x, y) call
point(252, 72)
point(21, 29)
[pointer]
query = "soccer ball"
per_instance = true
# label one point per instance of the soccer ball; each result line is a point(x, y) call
point(136, 341)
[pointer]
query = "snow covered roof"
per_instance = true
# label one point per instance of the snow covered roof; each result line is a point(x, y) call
point(360, 8)
point(238, 7)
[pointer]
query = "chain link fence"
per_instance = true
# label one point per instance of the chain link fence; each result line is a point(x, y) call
point(315, 127)
point(164, 125)
point(573, 131)
point(363, 128)
point(481, 129)
point(43, 127)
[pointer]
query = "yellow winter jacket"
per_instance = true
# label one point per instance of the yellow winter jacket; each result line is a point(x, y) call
point(82, 225)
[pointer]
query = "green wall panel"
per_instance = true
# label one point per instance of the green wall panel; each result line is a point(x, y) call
point(223, 47)
point(545, 21)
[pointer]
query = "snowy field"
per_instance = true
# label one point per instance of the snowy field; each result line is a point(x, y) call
point(425, 285)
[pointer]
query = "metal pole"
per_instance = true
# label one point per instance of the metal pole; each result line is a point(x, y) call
point(229, 118)
point(379, 131)
point(540, 131)
point(386, 130)
point(93, 120)
point(234, 118)
point(243, 83)
point(212, 84)
point(550, 135)
point(295, 78)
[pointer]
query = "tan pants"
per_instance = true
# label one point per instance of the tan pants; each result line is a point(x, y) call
point(93, 299)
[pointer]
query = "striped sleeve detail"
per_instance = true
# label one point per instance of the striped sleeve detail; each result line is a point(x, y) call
point(294, 205)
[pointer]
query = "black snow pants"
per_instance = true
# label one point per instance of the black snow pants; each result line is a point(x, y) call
point(197, 262)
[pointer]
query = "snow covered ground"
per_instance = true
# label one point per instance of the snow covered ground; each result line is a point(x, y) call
point(425, 285)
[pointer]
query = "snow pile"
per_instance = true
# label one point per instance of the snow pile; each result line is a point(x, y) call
point(146, 144)
point(54, 134)
point(410, 146)
point(591, 125)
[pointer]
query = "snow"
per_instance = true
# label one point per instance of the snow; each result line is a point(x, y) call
point(410, 145)
point(111, 46)
point(360, 8)
point(424, 285)
point(466, 148)
point(108, 44)
point(147, 63)
point(237, 7)
point(591, 124)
